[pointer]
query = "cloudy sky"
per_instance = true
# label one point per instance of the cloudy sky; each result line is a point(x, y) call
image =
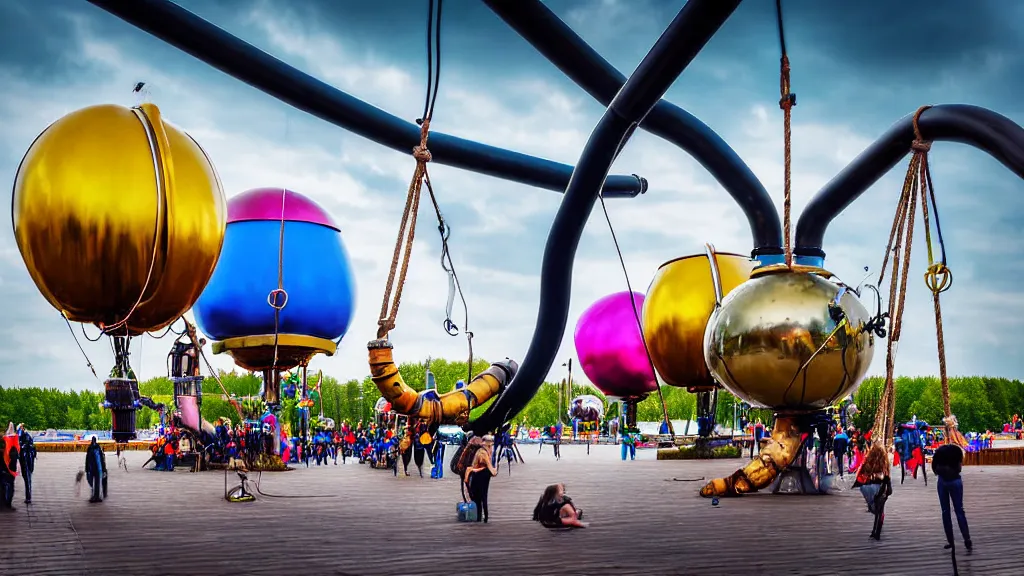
point(857, 67)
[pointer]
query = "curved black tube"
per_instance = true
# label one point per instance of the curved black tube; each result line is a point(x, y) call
point(190, 33)
point(557, 42)
point(695, 24)
point(971, 125)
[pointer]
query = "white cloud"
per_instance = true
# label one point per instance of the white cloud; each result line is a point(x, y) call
point(258, 142)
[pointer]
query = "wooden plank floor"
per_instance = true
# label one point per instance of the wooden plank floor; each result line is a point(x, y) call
point(642, 522)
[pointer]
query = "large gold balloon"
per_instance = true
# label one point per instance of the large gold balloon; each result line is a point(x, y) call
point(676, 312)
point(119, 217)
point(775, 344)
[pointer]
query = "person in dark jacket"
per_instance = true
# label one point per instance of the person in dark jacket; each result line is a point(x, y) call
point(840, 446)
point(27, 459)
point(96, 470)
point(947, 462)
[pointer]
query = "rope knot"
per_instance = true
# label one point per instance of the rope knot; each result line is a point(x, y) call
point(421, 154)
point(919, 145)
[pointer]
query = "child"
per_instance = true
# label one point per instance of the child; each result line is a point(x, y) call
point(875, 485)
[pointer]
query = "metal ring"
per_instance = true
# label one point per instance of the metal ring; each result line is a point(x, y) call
point(273, 297)
point(938, 278)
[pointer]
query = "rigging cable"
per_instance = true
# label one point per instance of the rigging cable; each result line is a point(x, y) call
point(278, 298)
point(88, 362)
point(636, 315)
point(444, 230)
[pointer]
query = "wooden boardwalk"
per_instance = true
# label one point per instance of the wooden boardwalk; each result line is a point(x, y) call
point(642, 522)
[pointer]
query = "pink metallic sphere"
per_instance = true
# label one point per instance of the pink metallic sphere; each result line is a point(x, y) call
point(610, 347)
point(266, 204)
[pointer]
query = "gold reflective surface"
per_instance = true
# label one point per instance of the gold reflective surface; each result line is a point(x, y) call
point(256, 353)
point(781, 450)
point(109, 197)
point(676, 310)
point(769, 327)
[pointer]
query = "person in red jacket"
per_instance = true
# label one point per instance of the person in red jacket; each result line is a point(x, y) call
point(8, 467)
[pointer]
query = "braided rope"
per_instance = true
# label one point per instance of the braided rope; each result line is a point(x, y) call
point(938, 277)
point(786, 103)
point(407, 232)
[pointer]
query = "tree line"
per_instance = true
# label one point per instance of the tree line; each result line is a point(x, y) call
point(979, 402)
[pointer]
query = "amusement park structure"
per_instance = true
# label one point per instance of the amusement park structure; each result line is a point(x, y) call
point(775, 328)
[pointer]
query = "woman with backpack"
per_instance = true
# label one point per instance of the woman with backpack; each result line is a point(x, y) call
point(478, 477)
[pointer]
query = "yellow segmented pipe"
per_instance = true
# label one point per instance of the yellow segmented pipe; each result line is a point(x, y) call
point(782, 449)
point(429, 406)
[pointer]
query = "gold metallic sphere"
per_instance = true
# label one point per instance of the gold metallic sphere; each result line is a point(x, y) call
point(118, 215)
point(678, 305)
point(761, 343)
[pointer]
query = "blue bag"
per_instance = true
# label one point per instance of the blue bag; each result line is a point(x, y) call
point(467, 511)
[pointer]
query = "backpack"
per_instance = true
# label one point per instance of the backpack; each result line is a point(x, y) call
point(463, 459)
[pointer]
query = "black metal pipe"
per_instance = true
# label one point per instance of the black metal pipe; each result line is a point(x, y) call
point(190, 33)
point(557, 42)
point(691, 29)
point(979, 127)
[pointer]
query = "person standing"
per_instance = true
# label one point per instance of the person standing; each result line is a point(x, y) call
point(478, 477)
point(8, 467)
point(96, 470)
point(875, 485)
point(27, 459)
point(840, 446)
point(628, 444)
point(758, 435)
point(947, 462)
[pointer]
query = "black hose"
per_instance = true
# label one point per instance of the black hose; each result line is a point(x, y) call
point(262, 493)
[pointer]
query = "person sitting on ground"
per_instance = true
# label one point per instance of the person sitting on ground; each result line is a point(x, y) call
point(556, 510)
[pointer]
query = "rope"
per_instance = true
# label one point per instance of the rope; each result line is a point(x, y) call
point(636, 315)
point(278, 298)
point(406, 231)
point(787, 101)
point(192, 336)
point(407, 228)
point(938, 277)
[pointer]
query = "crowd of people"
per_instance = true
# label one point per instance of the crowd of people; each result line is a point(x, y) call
point(836, 447)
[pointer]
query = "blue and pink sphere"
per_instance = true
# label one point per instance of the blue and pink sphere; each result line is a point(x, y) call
point(317, 273)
